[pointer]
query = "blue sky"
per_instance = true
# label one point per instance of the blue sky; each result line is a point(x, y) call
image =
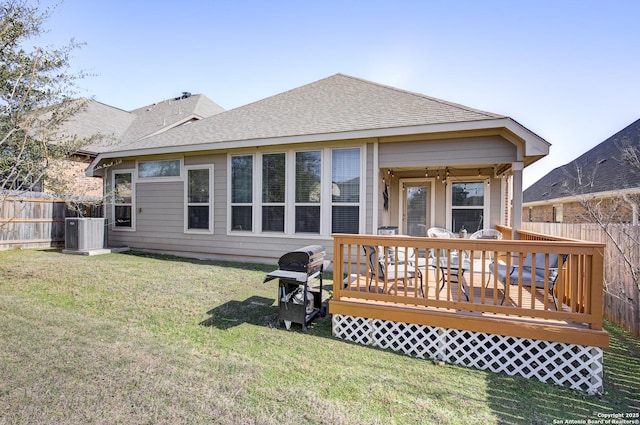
point(566, 69)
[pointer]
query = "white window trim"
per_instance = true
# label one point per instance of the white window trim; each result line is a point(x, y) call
point(186, 199)
point(133, 200)
point(430, 183)
point(258, 195)
point(558, 210)
point(486, 200)
point(230, 205)
point(328, 189)
point(290, 204)
point(180, 177)
point(323, 194)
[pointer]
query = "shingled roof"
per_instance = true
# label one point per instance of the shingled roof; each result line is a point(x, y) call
point(599, 170)
point(127, 127)
point(336, 104)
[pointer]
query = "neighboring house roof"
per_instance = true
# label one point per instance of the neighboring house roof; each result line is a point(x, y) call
point(98, 118)
point(126, 127)
point(161, 116)
point(600, 170)
point(338, 107)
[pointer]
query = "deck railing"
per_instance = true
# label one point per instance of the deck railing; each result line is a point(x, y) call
point(408, 276)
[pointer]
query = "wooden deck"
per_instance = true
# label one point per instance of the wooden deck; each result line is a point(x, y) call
point(476, 302)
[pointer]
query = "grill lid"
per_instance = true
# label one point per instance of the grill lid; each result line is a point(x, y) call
point(308, 259)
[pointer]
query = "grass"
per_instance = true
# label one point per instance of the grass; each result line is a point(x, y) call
point(136, 338)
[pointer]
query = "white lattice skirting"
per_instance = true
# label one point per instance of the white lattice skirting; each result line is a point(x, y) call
point(575, 366)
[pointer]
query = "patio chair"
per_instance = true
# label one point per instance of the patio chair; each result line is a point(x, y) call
point(530, 277)
point(487, 234)
point(438, 232)
point(387, 268)
point(446, 259)
point(490, 234)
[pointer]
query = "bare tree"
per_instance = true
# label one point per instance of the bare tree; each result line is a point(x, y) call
point(615, 215)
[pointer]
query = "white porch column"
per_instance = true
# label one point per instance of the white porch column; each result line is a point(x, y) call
point(375, 175)
point(516, 209)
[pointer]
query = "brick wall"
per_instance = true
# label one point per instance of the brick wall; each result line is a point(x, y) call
point(615, 209)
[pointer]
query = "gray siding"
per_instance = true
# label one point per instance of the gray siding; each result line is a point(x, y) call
point(159, 214)
point(480, 150)
point(159, 205)
point(371, 176)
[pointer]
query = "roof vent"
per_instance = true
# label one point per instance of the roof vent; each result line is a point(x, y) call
point(184, 95)
point(602, 161)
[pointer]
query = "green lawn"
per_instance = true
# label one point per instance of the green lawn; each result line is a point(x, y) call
point(135, 338)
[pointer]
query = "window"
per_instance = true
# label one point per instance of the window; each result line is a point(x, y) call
point(345, 191)
point(123, 200)
point(273, 192)
point(557, 213)
point(296, 193)
point(467, 206)
point(242, 192)
point(198, 203)
point(157, 169)
point(308, 191)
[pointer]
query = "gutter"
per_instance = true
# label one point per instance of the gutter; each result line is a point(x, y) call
point(578, 198)
point(499, 124)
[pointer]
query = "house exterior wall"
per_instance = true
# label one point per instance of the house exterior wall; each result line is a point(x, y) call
point(159, 206)
point(465, 153)
point(160, 210)
point(614, 209)
point(71, 172)
point(371, 197)
point(538, 213)
point(442, 152)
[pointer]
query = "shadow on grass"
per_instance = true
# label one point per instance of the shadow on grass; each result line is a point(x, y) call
point(519, 400)
point(254, 310)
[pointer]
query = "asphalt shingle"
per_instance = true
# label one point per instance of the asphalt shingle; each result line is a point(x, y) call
point(127, 127)
point(335, 104)
point(601, 169)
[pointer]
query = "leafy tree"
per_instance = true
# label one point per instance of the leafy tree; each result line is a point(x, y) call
point(37, 93)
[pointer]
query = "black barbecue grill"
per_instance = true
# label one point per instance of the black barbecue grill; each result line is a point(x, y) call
point(298, 301)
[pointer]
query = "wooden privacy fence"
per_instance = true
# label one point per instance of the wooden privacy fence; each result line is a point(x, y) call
point(621, 295)
point(33, 222)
